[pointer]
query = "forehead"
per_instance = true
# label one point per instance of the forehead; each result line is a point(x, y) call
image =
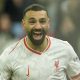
point(36, 14)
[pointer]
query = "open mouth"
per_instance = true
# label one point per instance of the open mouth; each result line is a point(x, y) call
point(37, 35)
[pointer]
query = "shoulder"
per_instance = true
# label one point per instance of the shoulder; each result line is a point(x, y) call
point(10, 52)
point(59, 42)
point(65, 45)
point(12, 47)
point(62, 45)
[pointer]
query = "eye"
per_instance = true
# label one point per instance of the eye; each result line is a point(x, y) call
point(32, 21)
point(43, 21)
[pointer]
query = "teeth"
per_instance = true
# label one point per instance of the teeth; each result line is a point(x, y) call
point(37, 33)
point(37, 37)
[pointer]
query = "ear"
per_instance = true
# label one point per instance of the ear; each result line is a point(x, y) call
point(49, 23)
point(23, 24)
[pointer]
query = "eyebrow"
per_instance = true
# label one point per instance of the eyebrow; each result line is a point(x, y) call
point(31, 18)
point(42, 18)
point(39, 19)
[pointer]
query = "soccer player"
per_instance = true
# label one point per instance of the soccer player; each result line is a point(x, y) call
point(39, 56)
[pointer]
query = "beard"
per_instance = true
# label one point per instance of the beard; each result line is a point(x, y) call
point(37, 42)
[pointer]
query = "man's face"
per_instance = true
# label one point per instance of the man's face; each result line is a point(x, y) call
point(36, 24)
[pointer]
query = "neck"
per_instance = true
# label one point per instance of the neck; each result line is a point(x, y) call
point(41, 47)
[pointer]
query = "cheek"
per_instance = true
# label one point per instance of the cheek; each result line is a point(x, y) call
point(46, 28)
point(27, 27)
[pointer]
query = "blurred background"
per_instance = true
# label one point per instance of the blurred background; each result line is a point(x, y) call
point(64, 14)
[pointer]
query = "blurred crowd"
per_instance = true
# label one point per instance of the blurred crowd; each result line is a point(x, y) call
point(64, 14)
point(11, 13)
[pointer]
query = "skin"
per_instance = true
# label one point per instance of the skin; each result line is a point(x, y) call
point(36, 20)
point(77, 77)
point(28, 26)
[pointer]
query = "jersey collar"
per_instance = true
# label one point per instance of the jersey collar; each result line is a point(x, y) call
point(35, 51)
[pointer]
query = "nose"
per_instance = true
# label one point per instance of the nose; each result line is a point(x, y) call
point(38, 25)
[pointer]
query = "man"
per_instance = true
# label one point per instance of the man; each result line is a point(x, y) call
point(38, 56)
